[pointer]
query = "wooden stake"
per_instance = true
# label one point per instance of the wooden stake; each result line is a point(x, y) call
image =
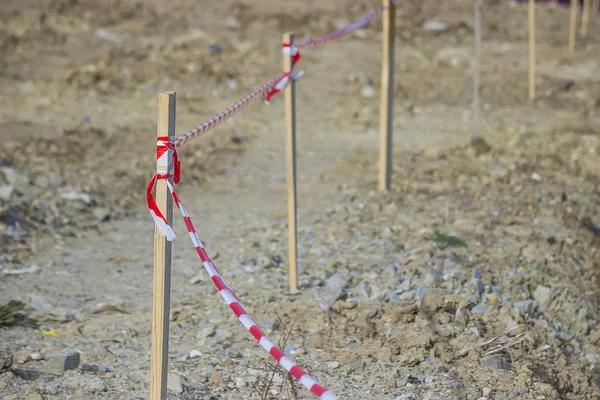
point(290, 123)
point(585, 19)
point(387, 96)
point(532, 50)
point(573, 24)
point(477, 68)
point(161, 297)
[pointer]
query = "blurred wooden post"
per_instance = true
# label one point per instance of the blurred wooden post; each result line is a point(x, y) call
point(387, 96)
point(476, 68)
point(585, 19)
point(290, 123)
point(573, 24)
point(595, 7)
point(531, 49)
point(161, 298)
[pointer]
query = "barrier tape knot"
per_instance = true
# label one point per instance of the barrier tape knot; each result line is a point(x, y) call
point(282, 82)
point(163, 145)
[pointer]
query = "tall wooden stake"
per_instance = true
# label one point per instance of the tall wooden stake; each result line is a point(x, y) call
point(585, 19)
point(387, 96)
point(531, 49)
point(573, 24)
point(161, 297)
point(476, 68)
point(290, 123)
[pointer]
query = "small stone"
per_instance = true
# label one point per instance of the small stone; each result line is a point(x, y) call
point(367, 91)
point(174, 383)
point(62, 361)
point(542, 295)
point(526, 306)
point(6, 357)
point(195, 354)
point(495, 362)
point(92, 383)
point(333, 365)
point(214, 48)
point(437, 26)
point(101, 213)
point(334, 286)
point(95, 368)
point(73, 195)
point(479, 309)
point(536, 177)
point(486, 391)
point(36, 356)
point(240, 383)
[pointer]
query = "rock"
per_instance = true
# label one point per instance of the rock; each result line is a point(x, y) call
point(174, 383)
point(495, 362)
point(432, 301)
point(214, 48)
point(479, 309)
point(28, 270)
point(195, 354)
point(101, 213)
point(240, 383)
point(111, 37)
point(91, 383)
point(367, 91)
point(6, 191)
point(526, 307)
point(486, 391)
point(542, 295)
point(334, 365)
point(334, 286)
point(36, 356)
point(536, 177)
point(436, 26)
point(95, 368)
point(61, 361)
point(6, 357)
point(73, 195)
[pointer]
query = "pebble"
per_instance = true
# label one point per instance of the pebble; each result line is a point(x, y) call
point(240, 383)
point(526, 306)
point(174, 383)
point(495, 362)
point(95, 368)
point(542, 295)
point(433, 25)
point(36, 356)
point(92, 383)
point(334, 286)
point(195, 354)
point(367, 91)
point(6, 357)
point(479, 309)
point(333, 365)
point(486, 391)
point(536, 177)
point(61, 361)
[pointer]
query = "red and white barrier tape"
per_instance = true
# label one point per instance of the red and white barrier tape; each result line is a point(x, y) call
point(163, 146)
point(238, 309)
point(258, 94)
point(344, 31)
point(292, 50)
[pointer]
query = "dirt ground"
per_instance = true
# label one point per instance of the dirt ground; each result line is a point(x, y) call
point(475, 277)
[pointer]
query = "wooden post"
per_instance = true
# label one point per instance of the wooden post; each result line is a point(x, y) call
point(573, 24)
point(595, 7)
point(476, 68)
point(387, 96)
point(290, 123)
point(585, 19)
point(161, 297)
point(532, 50)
